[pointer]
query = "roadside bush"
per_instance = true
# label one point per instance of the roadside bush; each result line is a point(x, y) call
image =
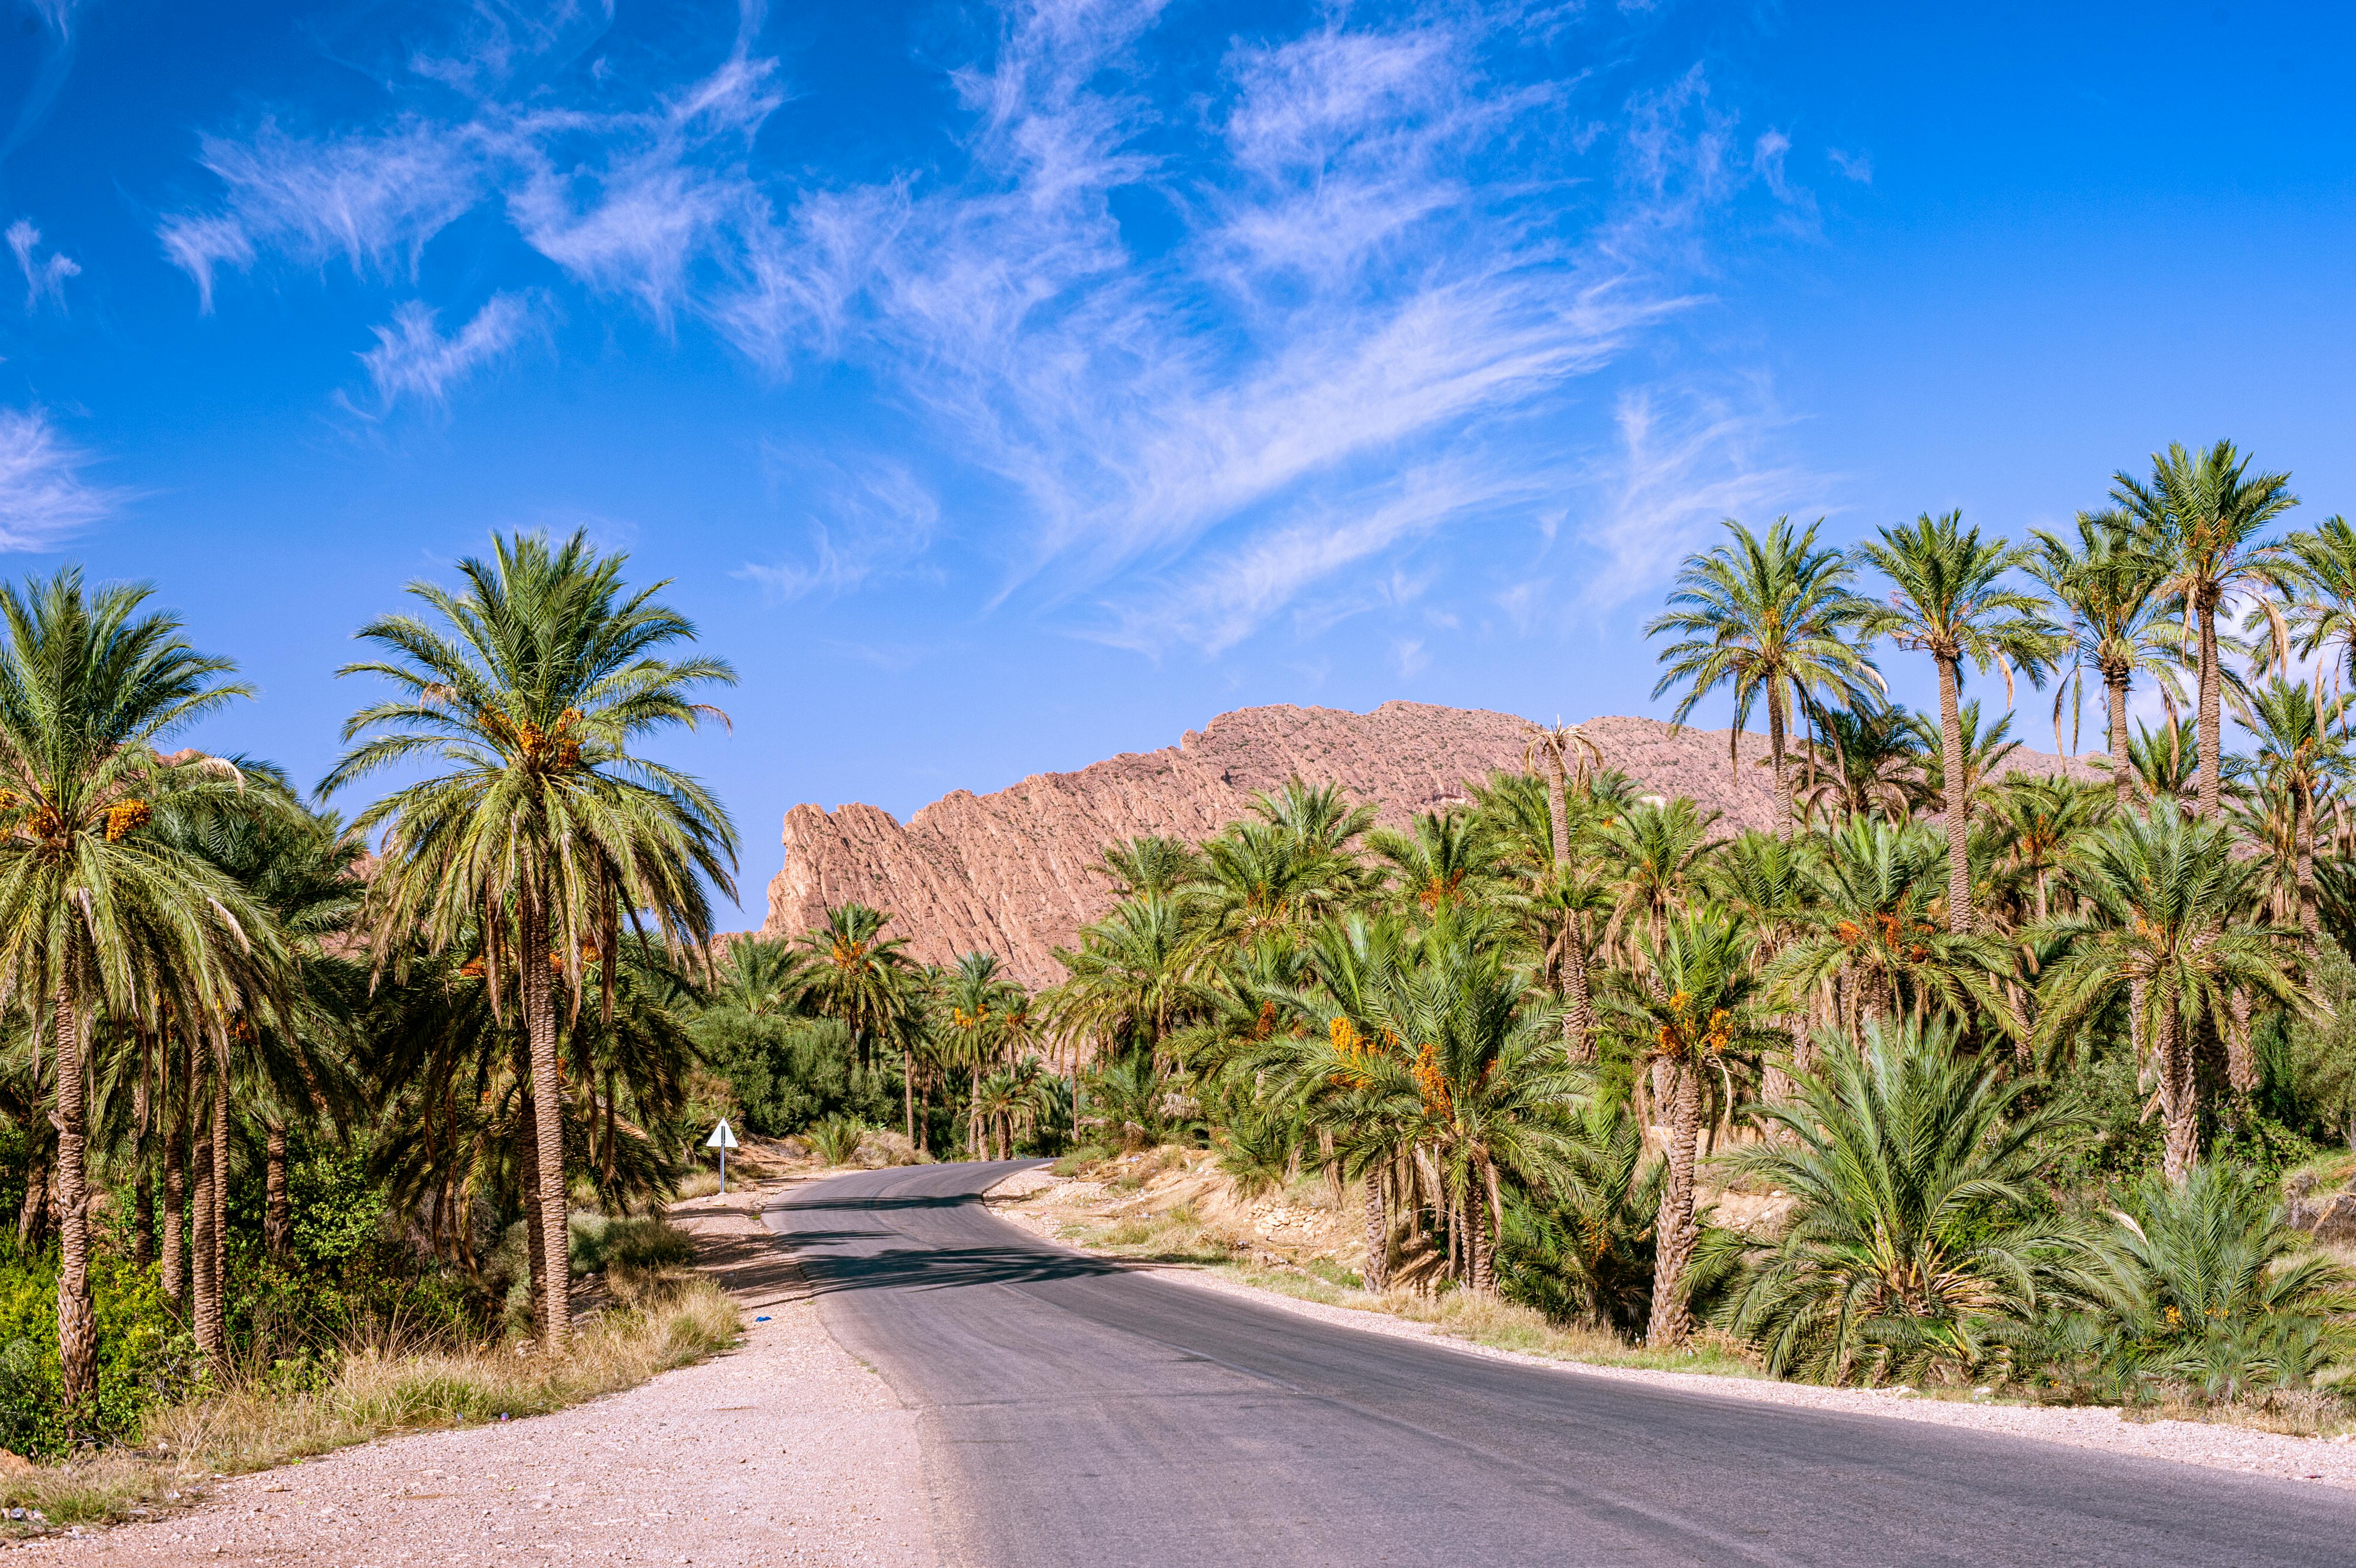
point(145, 1356)
point(836, 1139)
point(786, 1072)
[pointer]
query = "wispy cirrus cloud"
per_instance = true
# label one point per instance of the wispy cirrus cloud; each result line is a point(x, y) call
point(1686, 459)
point(872, 520)
point(44, 493)
point(1373, 247)
point(414, 358)
point(45, 276)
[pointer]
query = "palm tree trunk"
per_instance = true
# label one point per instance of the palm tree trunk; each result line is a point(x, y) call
point(277, 1218)
point(908, 1090)
point(1377, 1272)
point(2241, 1065)
point(2210, 734)
point(1579, 1017)
point(220, 1188)
point(2179, 1102)
point(1479, 1244)
point(2122, 777)
point(176, 1196)
point(1674, 1233)
point(973, 1118)
point(527, 1158)
point(1785, 807)
point(2309, 919)
point(77, 1320)
point(143, 1185)
point(204, 1279)
point(548, 1123)
point(1958, 804)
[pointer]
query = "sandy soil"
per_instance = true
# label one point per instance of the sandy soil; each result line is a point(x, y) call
point(784, 1451)
point(2328, 1461)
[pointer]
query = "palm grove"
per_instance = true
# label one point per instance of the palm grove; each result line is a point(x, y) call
point(2020, 1055)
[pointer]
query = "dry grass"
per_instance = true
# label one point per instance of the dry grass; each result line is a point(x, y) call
point(375, 1390)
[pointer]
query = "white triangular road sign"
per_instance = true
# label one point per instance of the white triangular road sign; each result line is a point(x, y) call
point(721, 1137)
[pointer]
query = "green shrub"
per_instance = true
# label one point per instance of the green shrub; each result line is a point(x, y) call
point(787, 1073)
point(144, 1356)
point(836, 1139)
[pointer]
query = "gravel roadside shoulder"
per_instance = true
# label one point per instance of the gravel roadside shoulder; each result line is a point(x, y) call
point(787, 1450)
point(2316, 1460)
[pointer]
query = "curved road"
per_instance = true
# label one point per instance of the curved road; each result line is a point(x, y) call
point(1078, 1412)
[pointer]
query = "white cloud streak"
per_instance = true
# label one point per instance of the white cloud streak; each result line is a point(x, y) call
point(1380, 245)
point(45, 276)
point(412, 358)
point(43, 494)
point(866, 523)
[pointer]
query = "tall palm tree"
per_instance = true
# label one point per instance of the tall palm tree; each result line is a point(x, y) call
point(1767, 618)
point(531, 684)
point(1128, 980)
point(1687, 1003)
point(2206, 515)
point(1660, 850)
point(865, 978)
point(2163, 926)
point(1949, 599)
point(97, 908)
point(2110, 584)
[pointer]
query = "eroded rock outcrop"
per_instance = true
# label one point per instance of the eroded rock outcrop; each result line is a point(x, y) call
point(1008, 871)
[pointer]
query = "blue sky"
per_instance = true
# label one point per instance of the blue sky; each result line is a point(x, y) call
point(1006, 388)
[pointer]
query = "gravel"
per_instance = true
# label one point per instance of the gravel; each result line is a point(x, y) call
point(2328, 1461)
point(788, 1450)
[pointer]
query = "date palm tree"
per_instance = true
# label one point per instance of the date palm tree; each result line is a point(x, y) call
point(1865, 759)
point(2164, 926)
point(2320, 581)
point(530, 685)
point(100, 909)
point(1923, 1216)
point(2206, 516)
point(1687, 1002)
point(2110, 585)
point(1767, 619)
point(2303, 755)
point(1949, 599)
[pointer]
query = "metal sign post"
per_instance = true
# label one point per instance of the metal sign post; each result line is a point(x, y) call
point(723, 1140)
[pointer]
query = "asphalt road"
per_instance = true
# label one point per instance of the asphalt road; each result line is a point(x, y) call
point(1078, 1412)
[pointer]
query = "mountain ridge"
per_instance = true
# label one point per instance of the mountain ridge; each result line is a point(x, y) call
point(1008, 870)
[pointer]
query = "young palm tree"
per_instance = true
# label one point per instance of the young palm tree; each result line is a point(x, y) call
point(1867, 947)
point(98, 908)
point(2303, 756)
point(1659, 851)
point(1922, 1218)
point(1949, 600)
point(1769, 619)
point(1445, 859)
point(1865, 759)
point(1984, 750)
point(764, 977)
point(2166, 762)
point(532, 684)
point(1688, 1003)
point(864, 978)
point(2164, 898)
point(2205, 514)
point(2322, 583)
point(1128, 981)
point(2119, 626)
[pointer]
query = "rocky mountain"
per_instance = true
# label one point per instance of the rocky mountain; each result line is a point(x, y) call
point(1008, 871)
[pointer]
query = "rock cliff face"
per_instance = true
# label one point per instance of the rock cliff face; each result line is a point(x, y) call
point(1007, 872)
